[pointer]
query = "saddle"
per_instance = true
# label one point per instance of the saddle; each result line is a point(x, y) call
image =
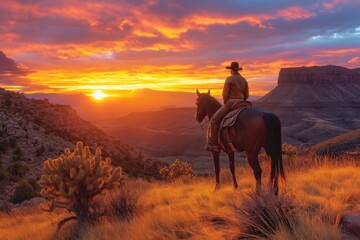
point(228, 121)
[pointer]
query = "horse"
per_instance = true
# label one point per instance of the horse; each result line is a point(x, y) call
point(253, 130)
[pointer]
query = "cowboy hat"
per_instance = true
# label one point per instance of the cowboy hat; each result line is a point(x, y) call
point(234, 66)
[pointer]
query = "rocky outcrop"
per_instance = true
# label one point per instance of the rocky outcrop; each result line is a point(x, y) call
point(325, 86)
point(319, 75)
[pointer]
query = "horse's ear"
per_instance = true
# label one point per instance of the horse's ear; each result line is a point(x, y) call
point(208, 92)
point(197, 92)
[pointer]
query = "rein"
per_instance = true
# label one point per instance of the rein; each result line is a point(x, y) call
point(204, 125)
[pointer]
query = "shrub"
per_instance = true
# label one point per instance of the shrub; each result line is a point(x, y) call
point(4, 145)
point(4, 176)
point(72, 181)
point(123, 203)
point(289, 150)
point(17, 171)
point(40, 151)
point(24, 191)
point(262, 216)
point(12, 142)
point(18, 155)
point(176, 170)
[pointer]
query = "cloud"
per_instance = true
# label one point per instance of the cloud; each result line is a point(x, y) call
point(173, 44)
point(354, 60)
point(13, 76)
point(9, 67)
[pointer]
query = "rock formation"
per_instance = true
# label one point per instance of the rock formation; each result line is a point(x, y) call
point(315, 86)
point(319, 75)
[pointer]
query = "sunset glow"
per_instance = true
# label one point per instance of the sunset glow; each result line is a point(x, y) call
point(66, 46)
point(99, 95)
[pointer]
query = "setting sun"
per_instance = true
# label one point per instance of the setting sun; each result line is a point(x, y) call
point(99, 95)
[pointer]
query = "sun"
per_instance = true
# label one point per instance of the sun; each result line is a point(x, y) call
point(99, 95)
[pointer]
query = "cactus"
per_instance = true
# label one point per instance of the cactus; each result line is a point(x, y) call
point(73, 179)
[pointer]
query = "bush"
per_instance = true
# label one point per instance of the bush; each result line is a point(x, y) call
point(40, 151)
point(24, 191)
point(176, 170)
point(18, 155)
point(4, 176)
point(73, 180)
point(17, 171)
point(289, 150)
point(12, 142)
point(4, 145)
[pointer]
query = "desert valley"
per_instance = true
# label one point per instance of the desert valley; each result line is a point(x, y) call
point(106, 107)
point(320, 126)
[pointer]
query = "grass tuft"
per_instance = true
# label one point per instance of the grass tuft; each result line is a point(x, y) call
point(262, 216)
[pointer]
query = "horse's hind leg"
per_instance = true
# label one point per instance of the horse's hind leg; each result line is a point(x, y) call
point(231, 157)
point(254, 163)
point(216, 160)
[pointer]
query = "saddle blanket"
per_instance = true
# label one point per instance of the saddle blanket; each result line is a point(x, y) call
point(230, 119)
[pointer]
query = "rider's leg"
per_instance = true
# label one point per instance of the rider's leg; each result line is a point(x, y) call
point(213, 144)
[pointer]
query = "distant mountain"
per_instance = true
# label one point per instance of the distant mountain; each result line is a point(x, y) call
point(313, 103)
point(315, 86)
point(33, 130)
point(348, 143)
point(139, 100)
point(119, 106)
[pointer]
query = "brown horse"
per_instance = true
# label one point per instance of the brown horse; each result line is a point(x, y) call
point(254, 128)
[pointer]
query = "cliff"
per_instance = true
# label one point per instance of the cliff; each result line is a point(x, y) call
point(315, 86)
point(319, 75)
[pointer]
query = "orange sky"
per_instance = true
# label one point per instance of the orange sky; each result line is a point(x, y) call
point(76, 46)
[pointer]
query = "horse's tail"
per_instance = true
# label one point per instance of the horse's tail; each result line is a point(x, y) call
point(273, 146)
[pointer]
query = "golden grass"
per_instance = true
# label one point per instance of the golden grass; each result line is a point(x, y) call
point(322, 192)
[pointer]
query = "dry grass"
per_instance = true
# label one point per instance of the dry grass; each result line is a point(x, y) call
point(320, 193)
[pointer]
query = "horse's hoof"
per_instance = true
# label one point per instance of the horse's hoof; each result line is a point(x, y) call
point(217, 187)
point(235, 186)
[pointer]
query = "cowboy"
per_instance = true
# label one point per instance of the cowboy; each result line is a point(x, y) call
point(235, 89)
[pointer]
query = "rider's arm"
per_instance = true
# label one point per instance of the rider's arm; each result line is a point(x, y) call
point(246, 92)
point(226, 91)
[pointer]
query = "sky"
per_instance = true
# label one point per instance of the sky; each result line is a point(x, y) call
point(67, 46)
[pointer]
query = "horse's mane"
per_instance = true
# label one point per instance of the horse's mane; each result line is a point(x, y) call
point(212, 100)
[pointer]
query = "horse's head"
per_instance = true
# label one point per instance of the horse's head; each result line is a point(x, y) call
point(201, 105)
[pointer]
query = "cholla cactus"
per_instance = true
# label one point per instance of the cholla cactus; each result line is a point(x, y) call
point(74, 179)
point(176, 170)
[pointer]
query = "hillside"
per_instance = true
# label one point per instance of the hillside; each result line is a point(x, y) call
point(320, 207)
point(34, 130)
point(348, 143)
point(164, 132)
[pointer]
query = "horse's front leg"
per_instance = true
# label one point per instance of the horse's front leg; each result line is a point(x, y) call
point(231, 158)
point(216, 160)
